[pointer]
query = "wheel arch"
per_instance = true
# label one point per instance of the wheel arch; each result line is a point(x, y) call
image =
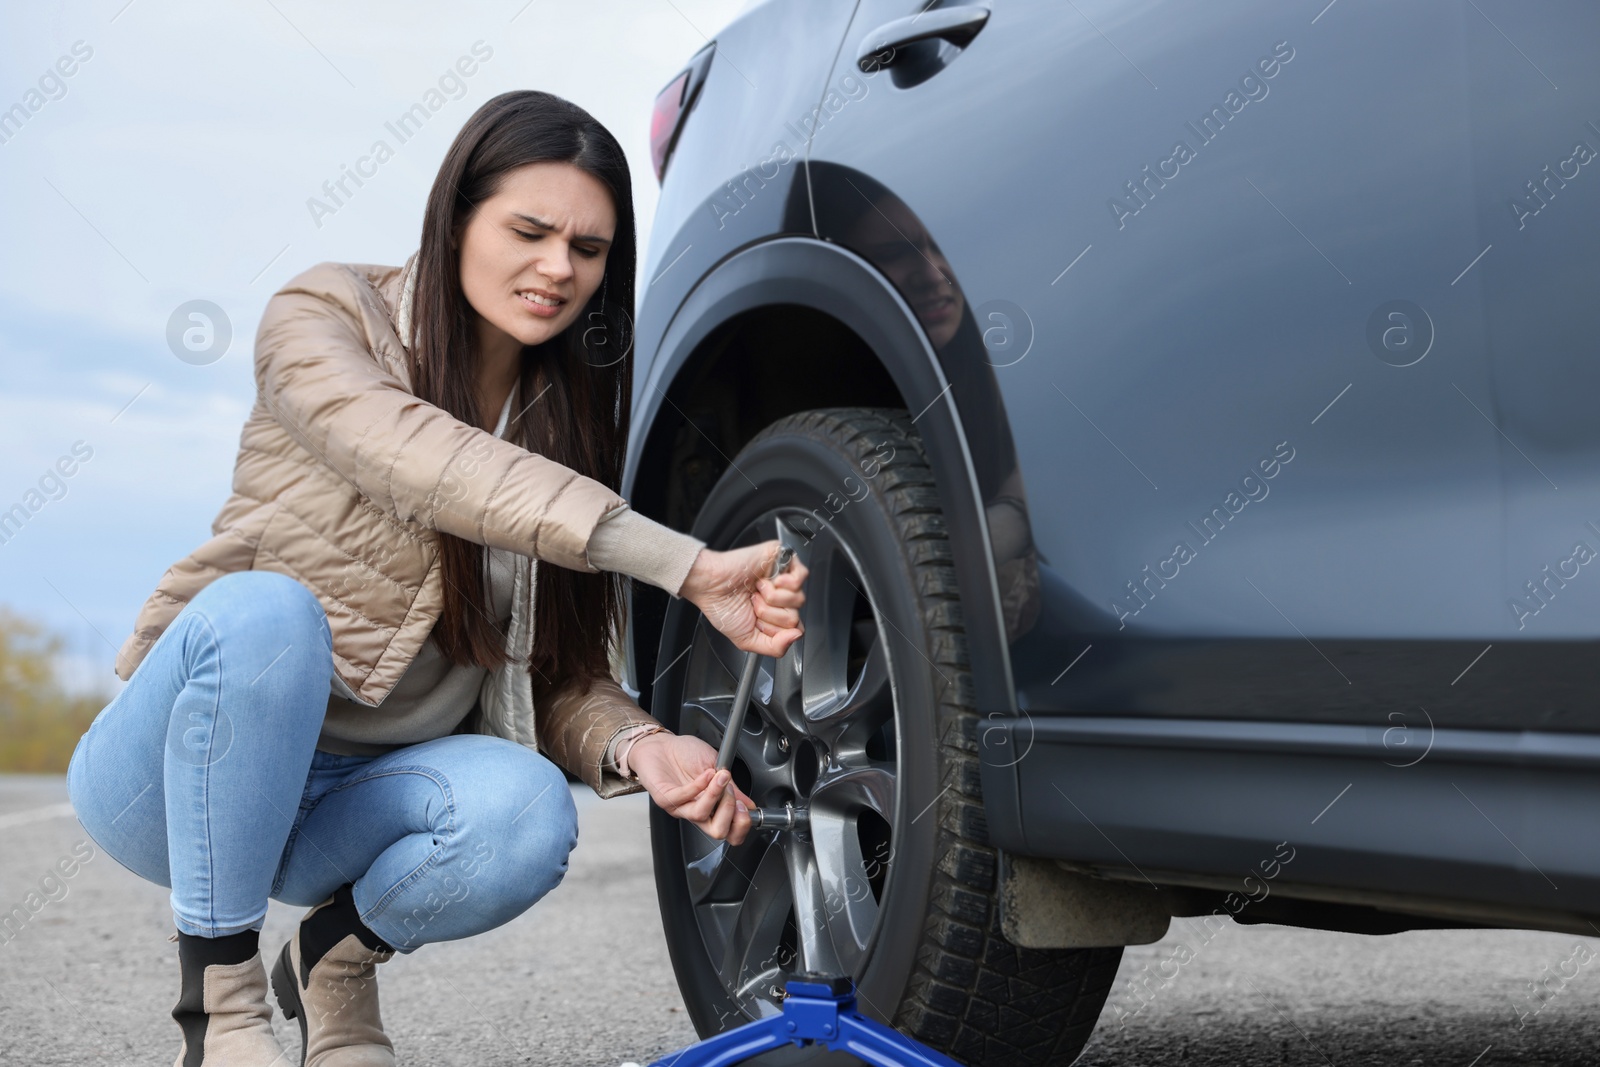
point(716, 379)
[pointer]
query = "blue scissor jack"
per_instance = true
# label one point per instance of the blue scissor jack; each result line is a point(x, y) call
point(818, 1010)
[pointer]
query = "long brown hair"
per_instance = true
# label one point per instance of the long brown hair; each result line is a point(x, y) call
point(576, 388)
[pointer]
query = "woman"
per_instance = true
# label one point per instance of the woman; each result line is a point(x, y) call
point(332, 702)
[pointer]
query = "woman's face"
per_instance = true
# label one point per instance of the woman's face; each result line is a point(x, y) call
point(547, 230)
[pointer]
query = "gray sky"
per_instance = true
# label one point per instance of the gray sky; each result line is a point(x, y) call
point(175, 163)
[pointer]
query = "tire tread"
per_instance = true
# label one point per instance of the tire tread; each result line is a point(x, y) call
point(972, 994)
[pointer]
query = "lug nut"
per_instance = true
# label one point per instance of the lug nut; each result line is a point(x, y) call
point(787, 817)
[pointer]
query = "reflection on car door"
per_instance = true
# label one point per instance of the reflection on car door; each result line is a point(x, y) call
point(1214, 289)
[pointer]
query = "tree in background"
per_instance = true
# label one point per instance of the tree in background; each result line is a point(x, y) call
point(39, 722)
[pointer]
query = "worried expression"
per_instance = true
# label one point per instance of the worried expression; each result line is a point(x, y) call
point(535, 252)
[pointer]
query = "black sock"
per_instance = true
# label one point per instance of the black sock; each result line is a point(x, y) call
point(195, 954)
point(230, 948)
point(333, 924)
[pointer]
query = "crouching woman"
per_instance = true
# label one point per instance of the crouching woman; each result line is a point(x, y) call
point(358, 695)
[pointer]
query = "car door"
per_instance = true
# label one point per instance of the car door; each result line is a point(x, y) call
point(1534, 98)
point(1212, 288)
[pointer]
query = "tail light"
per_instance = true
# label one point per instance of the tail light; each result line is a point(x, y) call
point(673, 105)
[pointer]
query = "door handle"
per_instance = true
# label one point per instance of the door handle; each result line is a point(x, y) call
point(958, 25)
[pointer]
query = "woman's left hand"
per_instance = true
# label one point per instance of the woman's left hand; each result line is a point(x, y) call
point(681, 775)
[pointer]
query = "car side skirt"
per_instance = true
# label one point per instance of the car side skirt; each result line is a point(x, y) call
point(1473, 823)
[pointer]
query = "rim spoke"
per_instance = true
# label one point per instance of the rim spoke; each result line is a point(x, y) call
point(849, 908)
point(826, 616)
point(871, 689)
point(716, 872)
point(866, 706)
point(836, 805)
point(777, 689)
point(714, 664)
point(817, 953)
point(703, 870)
point(847, 792)
point(748, 931)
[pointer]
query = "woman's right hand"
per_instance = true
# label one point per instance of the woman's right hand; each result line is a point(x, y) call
point(757, 613)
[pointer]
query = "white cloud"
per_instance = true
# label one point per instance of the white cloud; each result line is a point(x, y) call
point(186, 146)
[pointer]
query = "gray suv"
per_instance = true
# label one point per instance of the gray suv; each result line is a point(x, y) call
point(1187, 413)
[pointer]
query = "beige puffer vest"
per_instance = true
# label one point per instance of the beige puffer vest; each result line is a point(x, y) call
point(342, 481)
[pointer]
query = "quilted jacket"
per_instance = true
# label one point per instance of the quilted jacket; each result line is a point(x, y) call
point(343, 480)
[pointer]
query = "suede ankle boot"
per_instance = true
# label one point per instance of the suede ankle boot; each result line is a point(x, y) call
point(326, 976)
point(222, 1006)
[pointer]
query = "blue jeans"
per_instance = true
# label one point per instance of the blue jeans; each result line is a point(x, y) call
point(203, 775)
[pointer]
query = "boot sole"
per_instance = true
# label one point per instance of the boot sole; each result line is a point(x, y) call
point(287, 992)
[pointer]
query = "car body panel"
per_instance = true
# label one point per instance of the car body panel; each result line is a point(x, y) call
point(1156, 358)
point(730, 177)
point(1342, 353)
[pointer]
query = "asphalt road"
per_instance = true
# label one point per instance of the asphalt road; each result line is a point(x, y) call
point(583, 978)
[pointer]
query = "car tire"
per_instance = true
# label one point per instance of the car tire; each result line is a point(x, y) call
point(857, 497)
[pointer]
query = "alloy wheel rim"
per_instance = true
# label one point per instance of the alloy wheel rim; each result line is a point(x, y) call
point(821, 732)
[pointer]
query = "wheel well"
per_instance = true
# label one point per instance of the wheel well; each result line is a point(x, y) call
point(750, 371)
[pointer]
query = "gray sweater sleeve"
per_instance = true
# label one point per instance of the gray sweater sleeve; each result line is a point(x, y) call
point(636, 545)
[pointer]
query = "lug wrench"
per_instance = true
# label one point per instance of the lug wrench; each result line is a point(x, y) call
point(788, 817)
